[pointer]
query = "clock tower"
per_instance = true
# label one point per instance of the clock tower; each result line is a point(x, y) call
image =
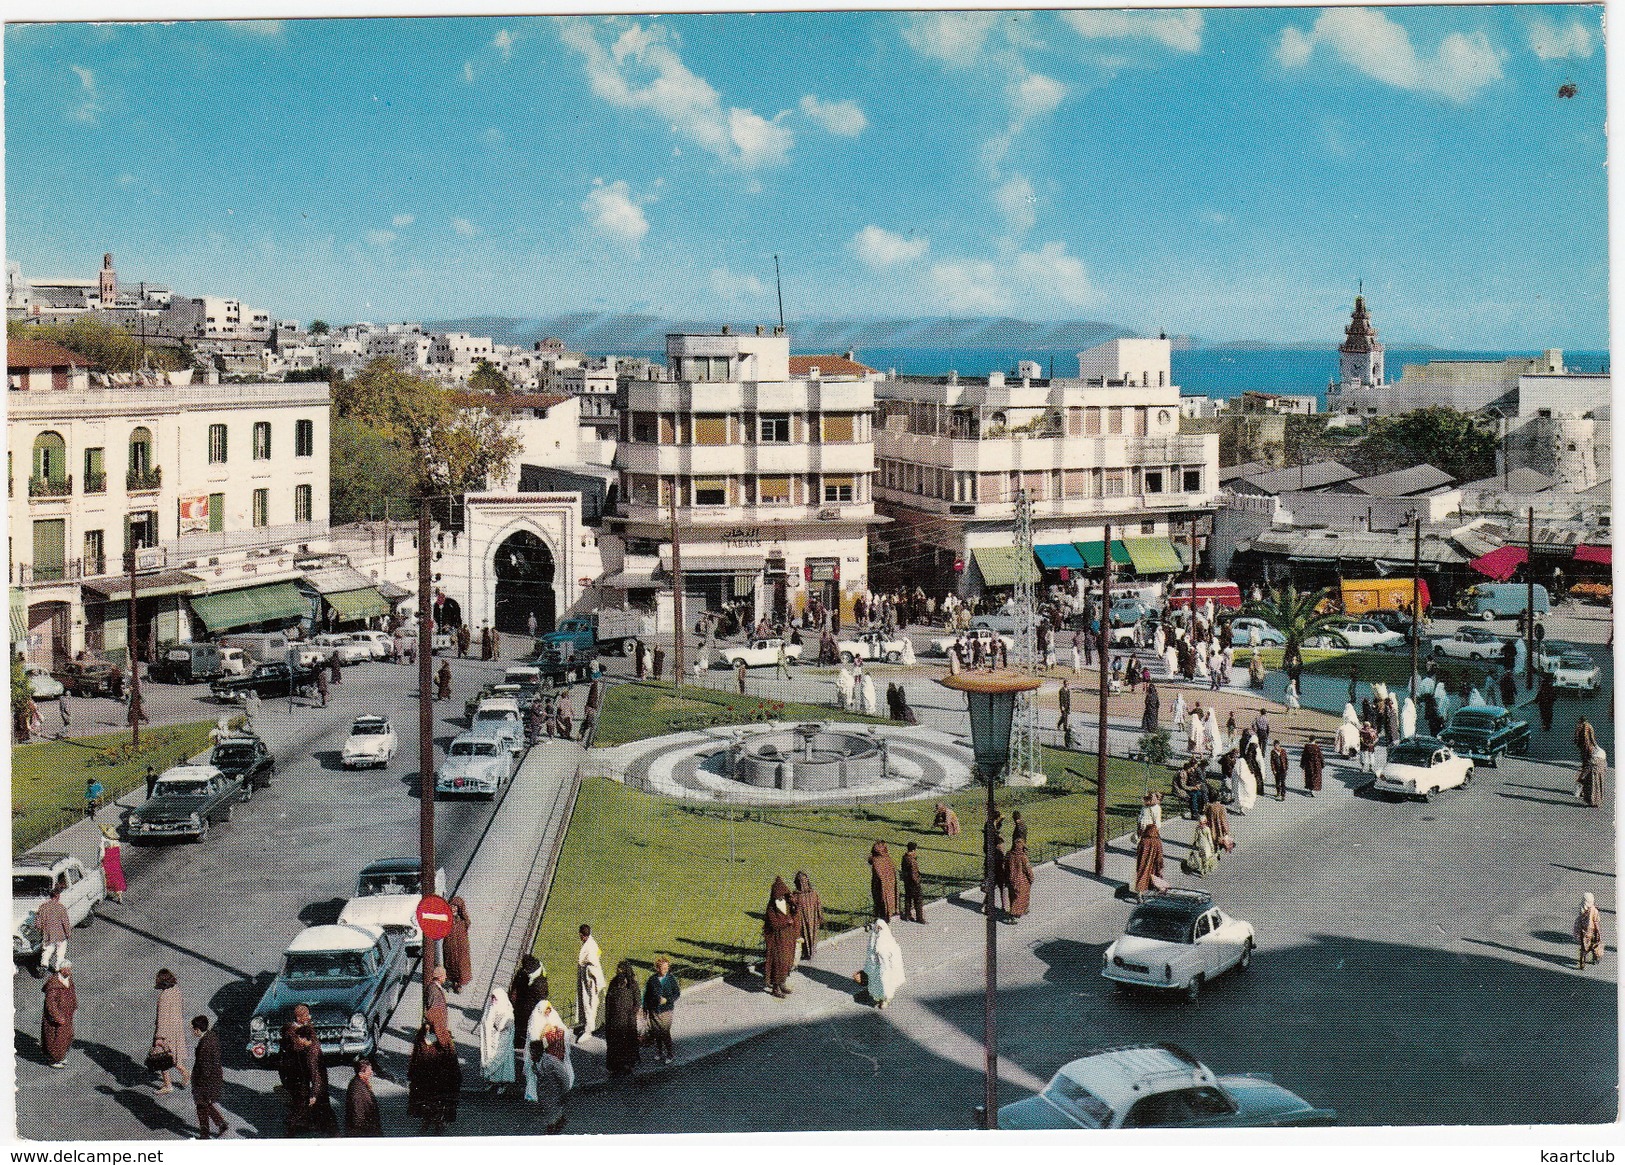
point(1360, 355)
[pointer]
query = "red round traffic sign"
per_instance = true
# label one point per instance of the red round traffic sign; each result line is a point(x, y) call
point(434, 917)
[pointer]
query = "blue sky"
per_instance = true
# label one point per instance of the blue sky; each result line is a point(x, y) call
point(1228, 173)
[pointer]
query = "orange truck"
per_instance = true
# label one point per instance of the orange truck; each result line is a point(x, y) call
point(1364, 595)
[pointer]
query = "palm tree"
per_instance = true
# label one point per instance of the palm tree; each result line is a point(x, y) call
point(1299, 616)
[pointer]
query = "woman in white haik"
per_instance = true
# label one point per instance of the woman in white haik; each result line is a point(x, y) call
point(1293, 700)
point(1215, 733)
point(843, 688)
point(496, 1041)
point(549, 1075)
point(1347, 739)
point(1407, 718)
point(866, 691)
point(883, 967)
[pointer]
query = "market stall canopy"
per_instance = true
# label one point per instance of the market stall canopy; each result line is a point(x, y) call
point(116, 588)
point(1500, 563)
point(1094, 556)
point(1058, 556)
point(361, 603)
point(268, 603)
point(1004, 566)
point(1153, 556)
point(1602, 555)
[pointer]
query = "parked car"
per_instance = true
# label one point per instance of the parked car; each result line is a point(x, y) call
point(1127, 612)
point(1157, 1086)
point(246, 757)
point(497, 718)
point(1549, 651)
point(1576, 672)
point(472, 704)
point(187, 800)
point(1179, 941)
point(350, 976)
point(32, 876)
point(234, 661)
point(372, 742)
point(341, 645)
point(1400, 621)
point(42, 685)
point(1362, 636)
point(1470, 643)
point(1487, 732)
point(477, 765)
point(871, 645)
point(1489, 601)
point(1249, 631)
point(1420, 766)
point(941, 645)
point(526, 682)
point(307, 654)
point(86, 677)
point(1589, 591)
point(378, 643)
point(269, 680)
point(387, 894)
point(760, 653)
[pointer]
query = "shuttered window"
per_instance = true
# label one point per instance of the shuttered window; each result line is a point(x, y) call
point(217, 513)
point(710, 430)
point(710, 491)
point(838, 489)
point(837, 427)
point(50, 538)
point(773, 491)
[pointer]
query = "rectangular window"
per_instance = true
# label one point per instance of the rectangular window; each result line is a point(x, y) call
point(1036, 486)
point(964, 487)
point(838, 489)
point(304, 438)
point(710, 491)
point(1149, 526)
point(1193, 481)
point(1114, 483)
point(95, 552)
point(1091, 421)
point(837, 428)
point(217, 444)
point(774, 429)
point(302, 504)
point(262, 440)
point(773, 491)
point(49, 551)
point(95, 471)
point(262, 507)
point(217, 513)
point(645, 430)
point(644, 489)
point(1153, 481)
point(710, 430)
point(1114, 420)
point(141, 529)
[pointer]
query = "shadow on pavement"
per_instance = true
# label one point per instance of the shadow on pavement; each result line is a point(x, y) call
point(1536, 800)
point(148, 1111)
point(188, 951)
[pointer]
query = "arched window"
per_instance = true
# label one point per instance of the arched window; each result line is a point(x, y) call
point(141, 452)
point(50, 457)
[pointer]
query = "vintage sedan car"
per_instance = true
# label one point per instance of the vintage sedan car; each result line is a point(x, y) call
point(1420, 766)
point(1549, 651)
point(387, 895)
point(498, 718)
point(42, 685)
point(1178, 941)
point(378, 643)
point(372, 743)
point(475, 766)
point(350, 976)
point(1249, 631)
point(512, 691)
point(760, 653)
point(1486, 732)
point(1157, 1086)
point(1575, 671)
point(187, 800)
point(1127, 612)
point(346, 649)
point(32, 876)
point(1469, 643)
point(527, 679)
point(86, 677)
point(245, 757)
point(1362, 636)
point(941, 645)
point(871, 645)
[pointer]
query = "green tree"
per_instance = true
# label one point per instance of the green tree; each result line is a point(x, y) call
point(105, 346)
point(487, 377)
point(1461, 444)
point(1298, 616)
point(318, 328)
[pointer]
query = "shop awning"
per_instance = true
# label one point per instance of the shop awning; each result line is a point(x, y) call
point(242, 608)
point(361, 603)
point(1058, 555)
point(1094, 556)
point(327, 580)
point(116, 588)
point(1004, 566)
point(392, 592)
point(1602, 555)
point(1500, 563)
point(1153, 556)
point(19, 616)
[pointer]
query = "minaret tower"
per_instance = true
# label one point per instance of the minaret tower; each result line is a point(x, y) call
point(1360, 355)
point(108, 279)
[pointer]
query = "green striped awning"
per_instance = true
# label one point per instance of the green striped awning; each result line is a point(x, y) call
point(362, 603)
point(1004, 566)
point(1095, 557)
point(269, 603)
point(19, 616)
point(1153, 556)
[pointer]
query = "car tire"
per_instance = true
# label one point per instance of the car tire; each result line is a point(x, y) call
point(88, 920)
point(1487, 616)
point(629, 647)
point(1193, 989)
point(1475, 657)
point(1246, 959)
point(225, 814)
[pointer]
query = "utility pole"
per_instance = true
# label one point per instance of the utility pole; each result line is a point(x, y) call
point(1529, 604)
point(1193, 561)
point(427, 867)
point(676, 597)
point(1105, 680)
point(129, 646)
point(1416, 598)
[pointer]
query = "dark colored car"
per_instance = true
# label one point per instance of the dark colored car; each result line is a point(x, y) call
point(1393, 620)
point(92, 677)
point(247, 758)
point(187, 800)
point(268, 679)
point(350, 976)
point(1487, 732)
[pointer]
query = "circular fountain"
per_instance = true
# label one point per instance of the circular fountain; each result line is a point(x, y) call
point(810, 757)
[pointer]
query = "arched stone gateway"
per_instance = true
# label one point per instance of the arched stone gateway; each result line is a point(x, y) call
point(523, 566)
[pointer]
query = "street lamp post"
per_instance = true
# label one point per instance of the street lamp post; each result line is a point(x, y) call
point(991, 700)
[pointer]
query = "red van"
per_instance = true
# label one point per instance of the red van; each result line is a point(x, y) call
point(1226, 595)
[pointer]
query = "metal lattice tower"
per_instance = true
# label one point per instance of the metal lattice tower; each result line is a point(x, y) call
point(1024, 757)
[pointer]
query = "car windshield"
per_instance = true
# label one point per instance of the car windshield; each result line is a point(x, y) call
point(1162, 925)
point(369, 728)
point(371, 884)
point(324, 966)
point(488, 714)
point(230, 752)
point(1411, 754)
point(183, 788)
point(31, 885)
point(1577, 660)
point(473, 748)
point(1078, 1102)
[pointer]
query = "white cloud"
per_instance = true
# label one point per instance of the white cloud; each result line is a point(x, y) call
point(969, 287)
point(464, 228)
point(503, 43)
point(843, 118)
point(641, 71)
point(731, 285)
point(1553, 44)
point(877, 247)
point(90, 101)
point(1035, 282)
point(402, 220)
point(468, 72)
point(1018, 202)
point(954, 38)
point(1034, 95)
point(1181, 31)
point(613, 213)
point(380, 238)
point(1377, 46)
point(1050, 271)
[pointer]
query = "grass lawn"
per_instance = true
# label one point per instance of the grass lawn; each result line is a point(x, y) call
point(641, 710)
point(48, 778)
point(655, 875)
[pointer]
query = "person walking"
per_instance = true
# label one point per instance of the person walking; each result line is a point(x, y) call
point(530, 624)
point(1261, 729)
point(882, 881)
point(1153, 707)
point(442, 681)
point(1588, 931)
point(1204, 855)
point(739, 675)
point(62, 703)
point(169, 1028)
point(1585, 739)
point(496, 644)
point(589, 982)
point(208, 1079)
point(866, 692)
point(293, 1076)
point(93, 796)
point(1313, 763)
point(882, 973)
point(321, 689)
point(660, 995)
point(528, 987)
point(809, 911)
point(1546, 701)
point(434, 998)
point(56, 1022)
point(496, 1032)
point(783, 662)
point(1064, 697)
point(549, 1074)
point(1019, 874)
point(913, 887)
point(434, 1078)
point(1278, 767)
point(112, 863)
point(1593, 778)
point(1148, 862)
point(485, 643)
point(335, 669)
point(361, 1106)
point(1368, 747)
point(621, 1022)
point(454, 950)
point(1077, 653)
point(52, 921)
point(464, 641)
point(1018, 827)
point(779, 940)
point(1001, 870)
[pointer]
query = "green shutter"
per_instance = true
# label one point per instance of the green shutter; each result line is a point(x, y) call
point(50, 538)
point(217, 513)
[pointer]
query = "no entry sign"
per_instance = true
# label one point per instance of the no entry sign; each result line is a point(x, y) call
point(434, 917)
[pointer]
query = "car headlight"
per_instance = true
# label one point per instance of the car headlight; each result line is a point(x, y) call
point(195, 820)
point(258, 1028)
point(358, 1022)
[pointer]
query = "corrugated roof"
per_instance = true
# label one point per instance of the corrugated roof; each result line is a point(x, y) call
point(329, 580)
point(1403, 483)
point(1245, 469)
point(1004, 566)
point(1316, 476)
point(1327, 545)
point(22, 353)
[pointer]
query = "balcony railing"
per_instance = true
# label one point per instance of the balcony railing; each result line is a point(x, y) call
point(137, 481)
point(50, 487)
point(95, 483)
point(70, 570)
